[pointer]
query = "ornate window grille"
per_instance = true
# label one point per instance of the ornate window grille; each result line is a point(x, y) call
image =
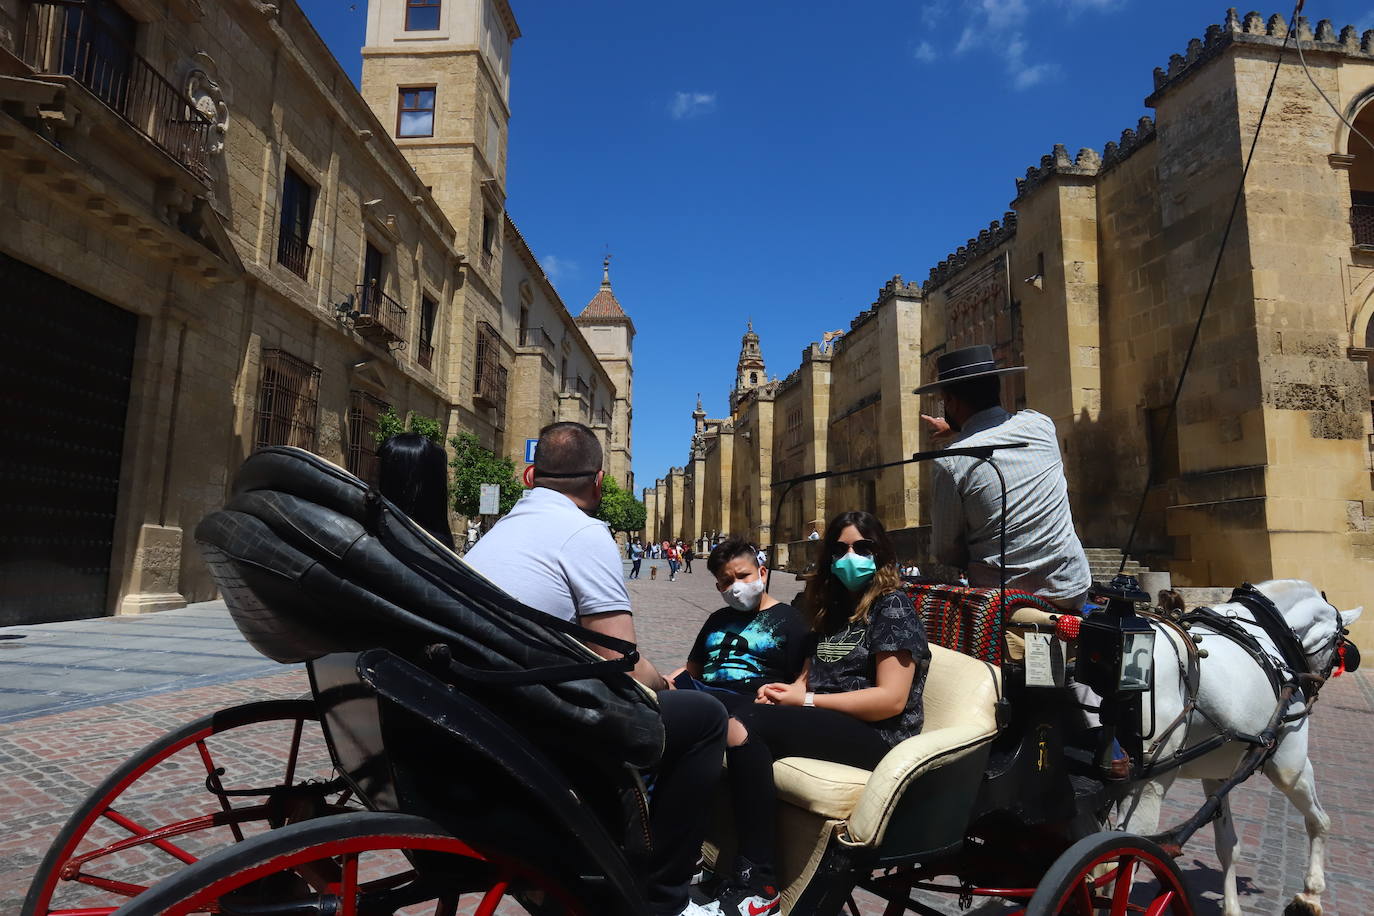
point(489, 377)
point(363, 411)
point(288, 401)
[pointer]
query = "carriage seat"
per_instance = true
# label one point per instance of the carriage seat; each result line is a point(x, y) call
point(960, 701)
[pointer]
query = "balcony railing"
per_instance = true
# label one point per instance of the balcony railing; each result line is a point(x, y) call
point(424, 354)
point(603, 417)
point(294, 254)
point(60, 38)
point(576, 385)
point(535, 337)
point(378, 316)
point(1362, 224)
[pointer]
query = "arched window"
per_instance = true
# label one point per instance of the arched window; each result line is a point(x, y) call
point(753, 378)
point(1362, 179)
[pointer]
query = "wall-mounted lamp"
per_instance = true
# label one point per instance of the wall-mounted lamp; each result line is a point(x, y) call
point(1036, 280)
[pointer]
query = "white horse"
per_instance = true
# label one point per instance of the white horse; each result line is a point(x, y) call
point(1235, 693)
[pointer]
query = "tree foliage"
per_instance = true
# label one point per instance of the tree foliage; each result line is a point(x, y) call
point(473, 466)
point(389, 423)
point(619, 508)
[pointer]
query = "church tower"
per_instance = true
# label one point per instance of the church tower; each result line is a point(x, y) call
point(611, 334)
point(436, 73)
point(749, 371)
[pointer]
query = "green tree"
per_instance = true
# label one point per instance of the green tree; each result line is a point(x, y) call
point(389, 423)
point(473, 466)
point(619, 508)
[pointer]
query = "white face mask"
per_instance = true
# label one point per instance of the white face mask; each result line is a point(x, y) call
point(744, 596)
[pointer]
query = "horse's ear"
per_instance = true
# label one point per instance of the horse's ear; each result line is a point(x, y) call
point(1349, 617)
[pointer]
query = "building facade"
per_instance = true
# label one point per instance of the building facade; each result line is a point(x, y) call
point(214, 242)
point(1094, 281)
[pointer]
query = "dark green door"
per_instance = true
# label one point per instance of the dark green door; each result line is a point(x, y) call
point(65, 363)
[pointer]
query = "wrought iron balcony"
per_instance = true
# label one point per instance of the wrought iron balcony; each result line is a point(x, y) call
point(603, 417)
point(294, 254)
point(377, 316)
point(424, 354)
point(576, 385)
point(535, 337)
point(1362, 224)
point(61, 38)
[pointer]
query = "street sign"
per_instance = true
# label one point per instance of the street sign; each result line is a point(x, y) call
point(529, 450)
point(491, 500)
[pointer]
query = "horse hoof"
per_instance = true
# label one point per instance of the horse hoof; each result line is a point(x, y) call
point(1303, 905)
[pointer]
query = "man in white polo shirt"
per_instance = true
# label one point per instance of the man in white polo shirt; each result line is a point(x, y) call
point(552, 555)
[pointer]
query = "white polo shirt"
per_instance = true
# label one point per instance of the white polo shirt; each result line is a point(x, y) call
point(549, 554)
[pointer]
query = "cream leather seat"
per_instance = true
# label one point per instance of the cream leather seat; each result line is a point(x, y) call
point(922, 790)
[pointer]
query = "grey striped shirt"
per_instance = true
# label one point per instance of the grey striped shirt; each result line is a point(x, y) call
point(1044, 555)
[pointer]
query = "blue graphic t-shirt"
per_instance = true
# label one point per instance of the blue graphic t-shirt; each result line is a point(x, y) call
point(741, 650)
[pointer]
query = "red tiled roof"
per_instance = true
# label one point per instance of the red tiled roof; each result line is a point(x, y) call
point(603, 305)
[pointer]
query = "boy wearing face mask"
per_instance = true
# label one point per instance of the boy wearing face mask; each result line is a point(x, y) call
point(755, 640)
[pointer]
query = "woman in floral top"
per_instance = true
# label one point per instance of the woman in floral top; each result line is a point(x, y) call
point(859, 695)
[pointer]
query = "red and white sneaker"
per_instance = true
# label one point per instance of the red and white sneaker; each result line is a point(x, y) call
point(740, 900)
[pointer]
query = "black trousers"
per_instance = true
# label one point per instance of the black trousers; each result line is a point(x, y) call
point(787, 731)
point(694, 744)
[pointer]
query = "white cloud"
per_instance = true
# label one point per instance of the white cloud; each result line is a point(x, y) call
point(999, 28)
point(691, 104)
point(555, 268)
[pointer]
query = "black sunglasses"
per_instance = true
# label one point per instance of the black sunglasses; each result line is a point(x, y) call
point(864, 548)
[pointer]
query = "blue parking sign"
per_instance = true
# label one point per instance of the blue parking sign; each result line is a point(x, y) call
point(529, 450)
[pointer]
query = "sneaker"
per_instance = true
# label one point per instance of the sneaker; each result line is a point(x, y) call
point(749, 893)
point(750, 901)
point(701, 909)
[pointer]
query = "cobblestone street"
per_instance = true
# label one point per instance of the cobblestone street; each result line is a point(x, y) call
point(91, 694)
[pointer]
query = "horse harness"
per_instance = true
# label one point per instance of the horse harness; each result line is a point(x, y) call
point(1288, 674)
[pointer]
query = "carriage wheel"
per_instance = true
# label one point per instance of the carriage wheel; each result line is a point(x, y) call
point(176, 800)
point(1112, 874)
point(359, 864)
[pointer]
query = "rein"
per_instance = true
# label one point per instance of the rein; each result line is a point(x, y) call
point(1289, 676)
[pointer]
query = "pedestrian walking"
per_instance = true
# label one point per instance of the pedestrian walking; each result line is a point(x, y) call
point(688, 555)
point(636, 558)
point(670, 552)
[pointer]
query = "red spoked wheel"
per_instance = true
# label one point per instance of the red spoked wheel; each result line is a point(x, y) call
point(359, 864)
point(1112, 874)
point(213, 782)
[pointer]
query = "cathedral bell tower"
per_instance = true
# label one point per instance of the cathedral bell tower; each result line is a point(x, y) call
point(749, 371)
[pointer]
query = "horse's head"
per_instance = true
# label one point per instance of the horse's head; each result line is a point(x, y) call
point(1320, 626)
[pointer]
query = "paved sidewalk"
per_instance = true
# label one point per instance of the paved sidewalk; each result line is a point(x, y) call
point(80, 698)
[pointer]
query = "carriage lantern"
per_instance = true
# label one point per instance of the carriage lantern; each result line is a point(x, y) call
point(1116, 645)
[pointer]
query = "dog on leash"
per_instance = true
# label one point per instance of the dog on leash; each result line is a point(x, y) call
point(653, 573)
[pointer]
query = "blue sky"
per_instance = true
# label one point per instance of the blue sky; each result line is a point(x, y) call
point(781, 160)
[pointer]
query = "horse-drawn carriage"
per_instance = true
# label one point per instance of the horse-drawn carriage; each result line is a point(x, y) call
point(478, 752)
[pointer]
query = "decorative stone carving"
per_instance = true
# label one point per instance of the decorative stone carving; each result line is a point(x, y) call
point(208, 98)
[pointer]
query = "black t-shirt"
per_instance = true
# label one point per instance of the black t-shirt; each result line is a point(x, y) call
point(741, 650)
point(844, 659)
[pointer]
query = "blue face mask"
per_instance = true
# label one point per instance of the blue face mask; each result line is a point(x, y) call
point(854, 571)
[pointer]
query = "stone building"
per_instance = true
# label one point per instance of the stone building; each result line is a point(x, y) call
point(213, 241)
point(1095, 279)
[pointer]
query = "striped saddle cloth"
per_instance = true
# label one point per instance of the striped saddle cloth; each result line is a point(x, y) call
point(970, 620)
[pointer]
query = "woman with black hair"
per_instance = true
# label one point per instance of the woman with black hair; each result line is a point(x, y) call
point(859, 695)
point(414, 476)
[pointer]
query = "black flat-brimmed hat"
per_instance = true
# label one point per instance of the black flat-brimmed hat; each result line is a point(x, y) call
point(961, 365)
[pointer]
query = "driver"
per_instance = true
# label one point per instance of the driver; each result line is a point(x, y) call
point(550, 554)
point(1044, 556)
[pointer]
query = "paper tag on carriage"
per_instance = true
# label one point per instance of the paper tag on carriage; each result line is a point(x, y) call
point(1044, 660)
